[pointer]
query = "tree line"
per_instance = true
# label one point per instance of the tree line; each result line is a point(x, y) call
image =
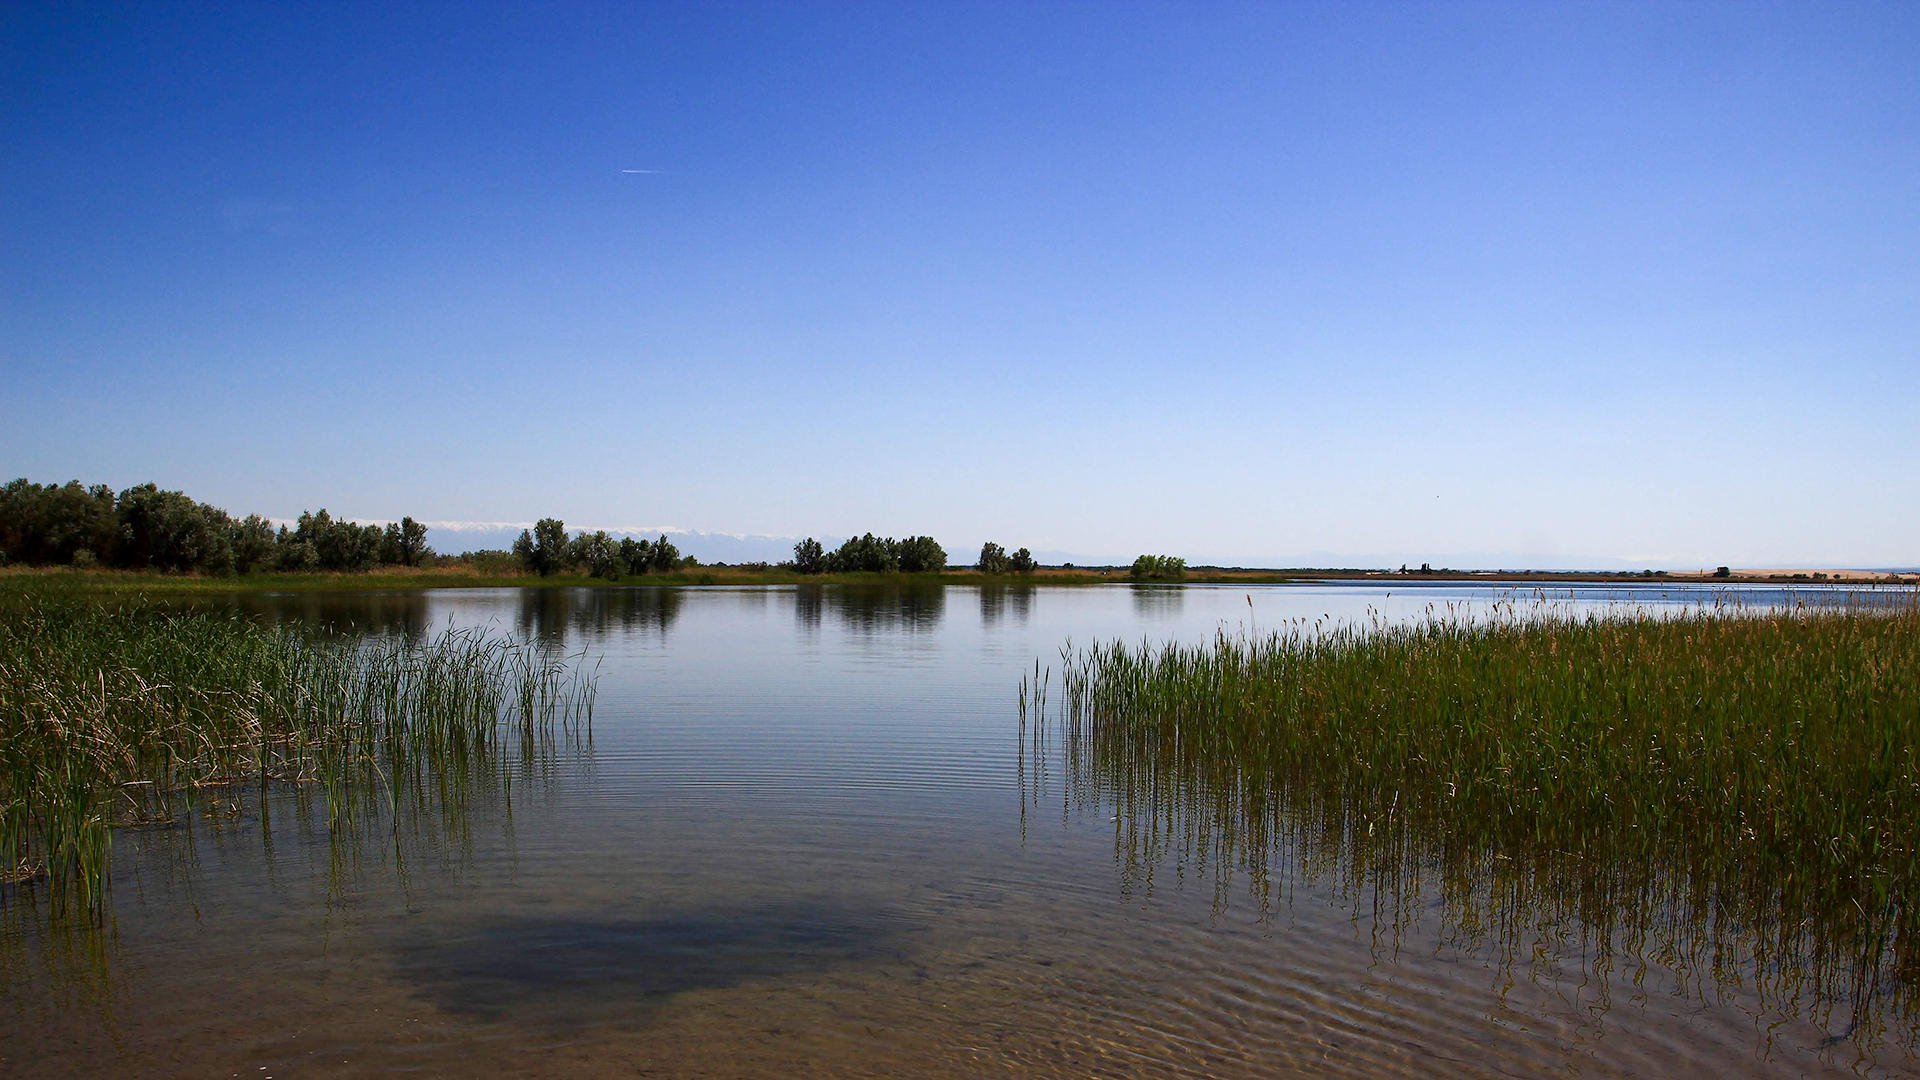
point(871, 554)
point(545, 550)
point(1158, 568)
point(145, 528)
point(914, 555)
point(995, 560)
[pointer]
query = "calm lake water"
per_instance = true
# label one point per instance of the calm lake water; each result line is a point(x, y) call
point(809, 834)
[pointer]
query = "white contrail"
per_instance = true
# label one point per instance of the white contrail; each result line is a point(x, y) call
point(652, 172)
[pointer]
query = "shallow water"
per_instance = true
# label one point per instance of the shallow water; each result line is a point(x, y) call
point(809, 835)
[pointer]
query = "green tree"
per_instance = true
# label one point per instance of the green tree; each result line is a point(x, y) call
point(1159, 568)
point(165, 530)
point(809, 557)
point(543, 550)
point(339, 544)
point(600, 554)
point(664, 557)
point(253, 545)
point(45, 523)
point(404, 543)
point(294, 556)
point(868, 554)
point(921, 555)
point(1022, 562)
point(993, 558)
point(636, 554)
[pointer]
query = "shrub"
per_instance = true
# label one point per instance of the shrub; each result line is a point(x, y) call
point(544, 549)
point(809, 557)
point(1159, 568)
point(868, 554)
point(993, 558)
point(922, 554)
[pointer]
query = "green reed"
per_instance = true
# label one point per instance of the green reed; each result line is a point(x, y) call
point(113, 715)
point(1740, 789)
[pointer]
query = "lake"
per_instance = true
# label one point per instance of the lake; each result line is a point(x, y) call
point(810, 831)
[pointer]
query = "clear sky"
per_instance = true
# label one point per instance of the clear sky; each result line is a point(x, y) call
point(1575, 283)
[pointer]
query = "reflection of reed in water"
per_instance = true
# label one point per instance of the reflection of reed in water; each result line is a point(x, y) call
point(423, 830)
point(1730, 795)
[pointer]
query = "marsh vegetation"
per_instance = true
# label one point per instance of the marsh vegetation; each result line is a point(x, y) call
point(1735, 791)
point(125, 714)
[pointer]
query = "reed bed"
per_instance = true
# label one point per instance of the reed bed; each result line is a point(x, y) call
point(121, 714)
point(1737, 790)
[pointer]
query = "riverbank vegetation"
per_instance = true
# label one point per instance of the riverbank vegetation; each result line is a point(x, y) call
point(870, 554)
point(1739, 788)
point(1158, 568)
point(145, 528)
point(118, 714)
point(995, 560)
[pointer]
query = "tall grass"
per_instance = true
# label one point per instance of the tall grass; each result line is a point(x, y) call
point(1741, 787)
point(114, 715)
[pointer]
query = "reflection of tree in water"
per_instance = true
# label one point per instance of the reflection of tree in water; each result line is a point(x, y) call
point(377, 613)
point(809, 605)
point(548, 615)
point(999, 601)
point(868, 609)
point(1157, 601)
point(1219, 815)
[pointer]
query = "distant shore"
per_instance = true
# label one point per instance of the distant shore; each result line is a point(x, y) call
point(458, 576)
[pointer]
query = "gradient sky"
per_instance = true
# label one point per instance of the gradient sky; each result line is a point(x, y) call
point(1582, 284)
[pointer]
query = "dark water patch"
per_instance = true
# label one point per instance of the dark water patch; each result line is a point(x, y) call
point(552, 615)
point(867, 610)
point(999, 602)
point(581, 971)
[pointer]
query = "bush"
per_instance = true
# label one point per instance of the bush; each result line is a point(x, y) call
point(664, 557)
point(809, 557)
point(600, 554)
point(921, 555)
point(993, 558)
point(1022, 562)
point(1159, 568)
point(865, 554)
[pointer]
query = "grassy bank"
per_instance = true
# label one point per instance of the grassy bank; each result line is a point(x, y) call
point(119, 714)
point(456, 576)
point(1752, 773)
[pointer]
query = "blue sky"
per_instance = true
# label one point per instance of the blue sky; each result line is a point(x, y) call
point(1579, 285)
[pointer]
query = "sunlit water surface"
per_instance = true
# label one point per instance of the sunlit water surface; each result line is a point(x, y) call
point(807, 834)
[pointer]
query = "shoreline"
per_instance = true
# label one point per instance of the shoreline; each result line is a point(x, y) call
point(458, 577)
